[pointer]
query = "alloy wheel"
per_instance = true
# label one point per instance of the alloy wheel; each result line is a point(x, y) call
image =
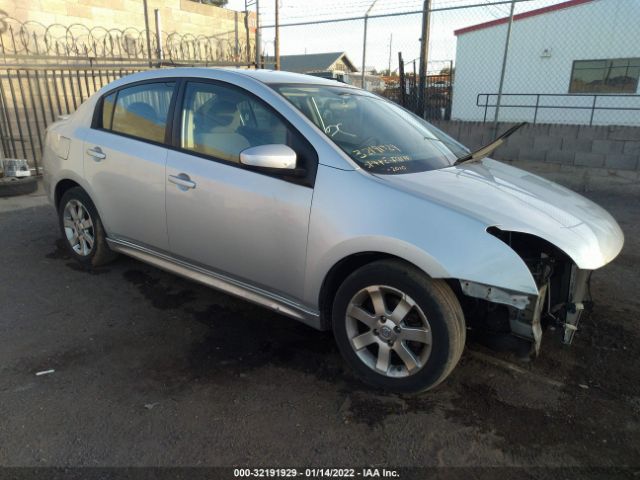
point(78, 227)
point(388, 331)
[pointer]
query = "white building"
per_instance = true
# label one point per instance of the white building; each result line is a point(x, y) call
point(559, 56)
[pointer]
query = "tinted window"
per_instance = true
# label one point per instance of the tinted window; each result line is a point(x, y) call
point(605, 76)
point(377, 134)
point(222, 121)
point(107, 110)
point(142, 111)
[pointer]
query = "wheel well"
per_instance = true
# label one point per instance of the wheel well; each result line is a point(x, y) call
point(338, 273)
point(61, 188)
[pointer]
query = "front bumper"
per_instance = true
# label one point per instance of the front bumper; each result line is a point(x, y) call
point(561, 300)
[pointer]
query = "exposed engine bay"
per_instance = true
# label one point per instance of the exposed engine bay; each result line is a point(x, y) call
point(563, 294)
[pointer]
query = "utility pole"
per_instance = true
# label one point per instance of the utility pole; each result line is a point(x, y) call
point(277, 42)
point(258, 54)
point(504, 66)
point(424, 54)
point(159, 37)
point(148, 32)
point(364, 42)
point(390, 45)
point(246, 27)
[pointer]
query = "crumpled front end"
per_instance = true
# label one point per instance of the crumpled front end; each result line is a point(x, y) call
point(558, 234)
point(563, 294)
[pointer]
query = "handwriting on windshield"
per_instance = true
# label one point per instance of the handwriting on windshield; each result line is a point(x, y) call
point(387, 161)
point(376, 157)
point(375, 150)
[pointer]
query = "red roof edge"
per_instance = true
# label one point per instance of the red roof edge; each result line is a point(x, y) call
point(520, 16)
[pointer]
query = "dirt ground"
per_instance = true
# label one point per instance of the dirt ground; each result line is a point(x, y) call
point(154, 370)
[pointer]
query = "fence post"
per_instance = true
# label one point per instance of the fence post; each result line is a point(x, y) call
point(364, 51)
point(504, 66)
point(364, 42)
point(403, 100)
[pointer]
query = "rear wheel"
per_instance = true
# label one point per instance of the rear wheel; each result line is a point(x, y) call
point(82, 229)
point(397, 328)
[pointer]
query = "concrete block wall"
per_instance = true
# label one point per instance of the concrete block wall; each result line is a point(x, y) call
point(183, 16)
point(610, 147)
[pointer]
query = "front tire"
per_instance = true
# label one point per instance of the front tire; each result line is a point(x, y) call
point(82, 230)
point(397, 328)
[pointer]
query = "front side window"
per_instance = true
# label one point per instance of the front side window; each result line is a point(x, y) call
point(140, 111)
point(220, 121)
point(605, 76)
point(377, 134)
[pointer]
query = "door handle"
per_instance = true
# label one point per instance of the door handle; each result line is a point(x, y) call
point(183, 181)
point(97, 153)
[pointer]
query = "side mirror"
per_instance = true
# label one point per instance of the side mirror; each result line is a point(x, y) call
point(269, 157)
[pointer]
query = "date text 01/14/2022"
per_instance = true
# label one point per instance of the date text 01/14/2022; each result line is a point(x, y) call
point(315, 473)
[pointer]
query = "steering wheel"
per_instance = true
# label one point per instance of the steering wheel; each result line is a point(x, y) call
point(336, 130)
point(332, 130)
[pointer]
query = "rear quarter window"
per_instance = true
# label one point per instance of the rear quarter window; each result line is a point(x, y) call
point(107, 110)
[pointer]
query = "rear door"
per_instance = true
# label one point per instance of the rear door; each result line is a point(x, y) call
point(247, 225)
point(125, 161)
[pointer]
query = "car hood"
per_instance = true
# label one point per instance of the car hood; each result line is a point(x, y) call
point(511, 199)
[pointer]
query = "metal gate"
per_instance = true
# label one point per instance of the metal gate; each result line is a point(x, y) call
point(47, 71)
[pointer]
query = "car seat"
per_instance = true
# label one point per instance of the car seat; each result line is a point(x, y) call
point(221, 139)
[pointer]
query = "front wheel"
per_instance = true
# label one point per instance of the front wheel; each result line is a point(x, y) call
point(397, 328)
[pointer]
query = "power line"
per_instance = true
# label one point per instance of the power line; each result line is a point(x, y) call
point(299, 11)
point(441, 8)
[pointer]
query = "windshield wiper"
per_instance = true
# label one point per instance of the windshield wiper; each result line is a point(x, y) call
point(485, 151)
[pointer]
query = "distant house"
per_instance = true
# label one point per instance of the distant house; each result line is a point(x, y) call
point(328, 65)
point(317, 62)
point(335, 65)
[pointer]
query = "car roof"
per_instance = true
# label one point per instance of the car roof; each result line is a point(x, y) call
point(275, 76)
point(264, 76)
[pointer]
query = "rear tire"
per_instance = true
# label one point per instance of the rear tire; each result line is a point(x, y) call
point(82, 230)
point(398, 329)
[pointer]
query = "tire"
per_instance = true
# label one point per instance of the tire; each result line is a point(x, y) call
point(89, 254)
point(429, 325)
point(11, 186)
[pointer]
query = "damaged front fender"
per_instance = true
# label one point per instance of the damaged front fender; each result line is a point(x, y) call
point(494, 294)
point(562, 289)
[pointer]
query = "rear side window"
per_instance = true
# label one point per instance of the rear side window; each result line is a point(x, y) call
point(140, 111)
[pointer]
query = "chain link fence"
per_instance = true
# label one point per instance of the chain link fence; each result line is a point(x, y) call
point(545, 62)
point(540, 61)
point(47, 71)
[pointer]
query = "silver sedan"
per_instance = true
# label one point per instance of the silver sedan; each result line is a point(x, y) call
point(330, 205)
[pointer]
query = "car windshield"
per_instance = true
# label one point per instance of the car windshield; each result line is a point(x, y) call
point(380, 136)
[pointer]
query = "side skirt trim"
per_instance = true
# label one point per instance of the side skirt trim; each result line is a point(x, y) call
point(218, 281)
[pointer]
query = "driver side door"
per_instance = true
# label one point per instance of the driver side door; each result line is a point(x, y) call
point(244, 224)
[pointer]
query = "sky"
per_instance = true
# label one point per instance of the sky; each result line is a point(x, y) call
point(401, 33)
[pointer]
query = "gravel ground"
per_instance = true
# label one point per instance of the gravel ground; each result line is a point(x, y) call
point(154, 370)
